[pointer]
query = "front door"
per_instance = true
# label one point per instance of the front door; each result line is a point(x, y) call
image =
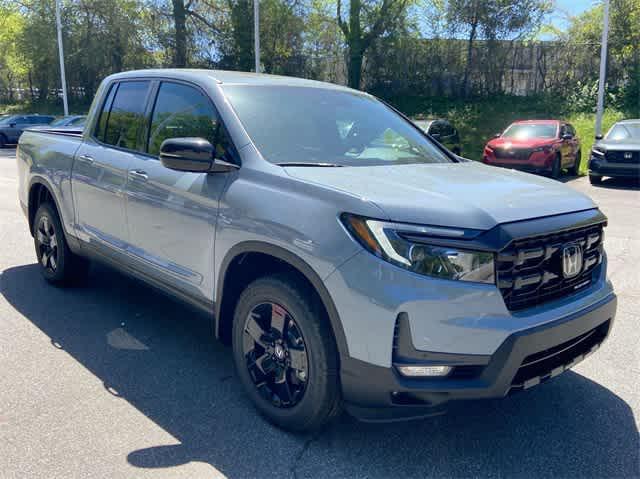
point(100, 168)
point(172, 214)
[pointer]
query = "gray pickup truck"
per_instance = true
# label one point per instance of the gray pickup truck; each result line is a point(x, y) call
point(351, 261)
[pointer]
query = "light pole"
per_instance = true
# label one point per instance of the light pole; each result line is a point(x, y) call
point(256, 32)
point(61, 55)
point(603, 69)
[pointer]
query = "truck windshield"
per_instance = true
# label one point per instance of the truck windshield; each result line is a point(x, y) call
point(531, 130)
point(318, 126)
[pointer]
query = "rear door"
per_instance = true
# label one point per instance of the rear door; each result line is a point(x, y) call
point(565, 146)
point(100, 168)
point(575, 142)
point(172, 214)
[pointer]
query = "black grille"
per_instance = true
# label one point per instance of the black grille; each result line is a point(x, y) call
point(629, 157)
point(550, 362)
point(512, 153)
point(529, 271)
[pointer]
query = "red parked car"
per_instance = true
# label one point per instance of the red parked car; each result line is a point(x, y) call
point(540, 146)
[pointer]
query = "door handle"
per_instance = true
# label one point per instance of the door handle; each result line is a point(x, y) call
point(139, 175)
point(86, 159)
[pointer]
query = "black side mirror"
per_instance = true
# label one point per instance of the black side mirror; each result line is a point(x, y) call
point(599, 136)
point(196, 155)
point(12, 125)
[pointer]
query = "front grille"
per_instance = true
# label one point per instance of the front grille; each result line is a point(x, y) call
point(628, 157)
point(521, 154)
point(529, 271)
point(546, 364)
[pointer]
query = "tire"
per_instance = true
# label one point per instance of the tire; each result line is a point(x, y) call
point(3, 141)
point(556, 168)
point(58, 265)
point(575, 169)
point(312, 395)
point(595, 180)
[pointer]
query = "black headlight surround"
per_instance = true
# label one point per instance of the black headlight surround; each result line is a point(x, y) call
point(423, 249)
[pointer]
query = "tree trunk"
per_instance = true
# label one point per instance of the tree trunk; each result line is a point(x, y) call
point(354, 67)
point(179, 20)
point(467, 68)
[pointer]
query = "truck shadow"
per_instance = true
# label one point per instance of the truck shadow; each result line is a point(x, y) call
point(149, 351)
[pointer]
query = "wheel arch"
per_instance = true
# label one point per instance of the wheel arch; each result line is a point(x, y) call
point(40, 191)
point(226, 294)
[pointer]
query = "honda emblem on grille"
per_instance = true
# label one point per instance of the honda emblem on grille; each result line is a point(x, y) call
point(628, 155)
point(571, 260)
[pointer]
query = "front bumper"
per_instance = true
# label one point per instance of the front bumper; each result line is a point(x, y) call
point(525, 359)
point(602, 167)
point(537, 162)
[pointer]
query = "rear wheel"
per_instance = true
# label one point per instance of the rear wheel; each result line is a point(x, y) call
point(575, 169)
point(285, 354)
point(595, 180)
point(556, 168)
point(58, 264)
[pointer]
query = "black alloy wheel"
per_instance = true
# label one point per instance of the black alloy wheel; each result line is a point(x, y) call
point(285, 352)
point(276, 354)
point(58, 264)
point(47, 244)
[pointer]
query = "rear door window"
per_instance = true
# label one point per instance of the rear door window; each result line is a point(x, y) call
point(126, 118)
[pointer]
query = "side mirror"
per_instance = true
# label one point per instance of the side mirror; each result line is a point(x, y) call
point(599, 136)
point(195, 155)
point(12, 125)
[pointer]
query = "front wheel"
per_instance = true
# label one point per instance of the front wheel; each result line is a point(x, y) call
point(285, 353)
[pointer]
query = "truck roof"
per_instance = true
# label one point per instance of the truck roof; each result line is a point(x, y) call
point(227, 77)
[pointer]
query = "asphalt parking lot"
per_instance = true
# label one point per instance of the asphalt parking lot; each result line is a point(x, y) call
point(115, 380)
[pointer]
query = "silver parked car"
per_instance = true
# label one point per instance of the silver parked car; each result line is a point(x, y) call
point(617, 154)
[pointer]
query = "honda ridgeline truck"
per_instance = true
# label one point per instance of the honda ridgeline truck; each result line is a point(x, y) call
point(351, 261)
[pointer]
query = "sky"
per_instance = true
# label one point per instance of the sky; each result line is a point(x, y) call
point(565, 9)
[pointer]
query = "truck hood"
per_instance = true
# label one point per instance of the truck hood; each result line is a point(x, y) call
point(463, 195)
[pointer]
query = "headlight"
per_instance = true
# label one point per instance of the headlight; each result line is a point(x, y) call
point(398, 244)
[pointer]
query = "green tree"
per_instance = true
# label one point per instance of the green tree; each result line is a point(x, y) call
point(366, 21)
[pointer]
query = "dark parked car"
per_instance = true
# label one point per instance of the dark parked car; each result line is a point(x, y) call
point(539, 146)
point(618, 153)
point(12, 126)
point(443, 132)
point(70, 120)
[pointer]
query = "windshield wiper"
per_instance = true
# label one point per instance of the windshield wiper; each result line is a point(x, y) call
point(303, 163)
